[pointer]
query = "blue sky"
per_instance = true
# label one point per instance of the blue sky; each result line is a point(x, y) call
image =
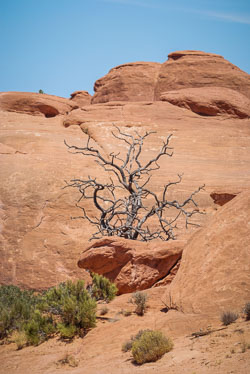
point(61, 46)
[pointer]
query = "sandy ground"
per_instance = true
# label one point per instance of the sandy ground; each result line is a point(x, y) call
point(224, 350)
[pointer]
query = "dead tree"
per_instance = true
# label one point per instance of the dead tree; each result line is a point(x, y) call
point(125, 205)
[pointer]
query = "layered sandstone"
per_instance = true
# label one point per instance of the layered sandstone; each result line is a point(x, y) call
point(211, 101)
point(35, 103)
point(214, 274)
point(81, 98)
point(130, 264)
point(129, 82)
point(194, 69)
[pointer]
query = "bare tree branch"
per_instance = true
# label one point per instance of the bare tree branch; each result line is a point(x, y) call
point(127, 208)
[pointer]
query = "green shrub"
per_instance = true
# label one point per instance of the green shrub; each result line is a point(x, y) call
point(38, 328)
point(150, 346)
point(16, 307)
point(228, 317)
point(127, 346)
point(102, 288)
point(68, 309)
point(104, 311)
point(72, 302)
point(140, 300)
point(67, 332)
point(19, 337)
point(246, 311)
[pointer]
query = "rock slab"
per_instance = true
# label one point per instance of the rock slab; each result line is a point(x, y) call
point(131, 264)
point(214, 274)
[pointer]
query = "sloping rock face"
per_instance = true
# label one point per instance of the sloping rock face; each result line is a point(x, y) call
point(193, 69)
point(215, 269)
point(131, 264)
point(128, 82)
point(81, 98)
point(35, 103)
point(210, 101)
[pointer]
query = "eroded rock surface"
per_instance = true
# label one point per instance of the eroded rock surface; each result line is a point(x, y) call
point(129, 82)
point(195, 69)
point(81, 98)
point(214, 274)
point(210, 101)
point(35, 103)
point(131, 264)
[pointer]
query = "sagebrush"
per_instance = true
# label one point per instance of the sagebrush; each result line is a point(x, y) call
point(228, 317)
point(148, 346)
point(67, 310)
point(139, 299)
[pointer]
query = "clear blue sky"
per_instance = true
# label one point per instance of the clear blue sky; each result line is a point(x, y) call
point(61, 46)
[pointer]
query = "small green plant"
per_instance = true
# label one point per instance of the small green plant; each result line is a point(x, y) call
point(126, 313)
point(68, 360)
point(102, 288)
point(228, 317)
point(40, 92)
point(67, 332)
point(140, 300)
point(150, 347)
point(104, 311)
point(246, 311)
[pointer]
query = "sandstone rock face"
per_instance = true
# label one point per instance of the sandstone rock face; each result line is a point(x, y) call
point(81, 98)
point(35, 103)
point(210, 101)
point(194, 69)
point(131, 264)
point(128, 82)
point(215, 268)
point(39, 242)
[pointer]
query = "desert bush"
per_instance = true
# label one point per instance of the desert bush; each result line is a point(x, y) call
point(125, 313)
point(228, 317)
point(38, 328)
point(19, 337)
point(140, 300)
point(102, 288)
point(67, 309)
point(74, 306)
point(246, 311)
point(127, 346)
point(16, 307)
point(69, 360)
point(151, 346)
point(67, 332)
point(104, 311)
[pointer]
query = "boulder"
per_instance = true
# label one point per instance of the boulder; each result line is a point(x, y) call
point(129, 82)
point(81, 98)
point(210, 101)
point(131, 264)
point(35, 103)
point(214, 274)
point(195, 69)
